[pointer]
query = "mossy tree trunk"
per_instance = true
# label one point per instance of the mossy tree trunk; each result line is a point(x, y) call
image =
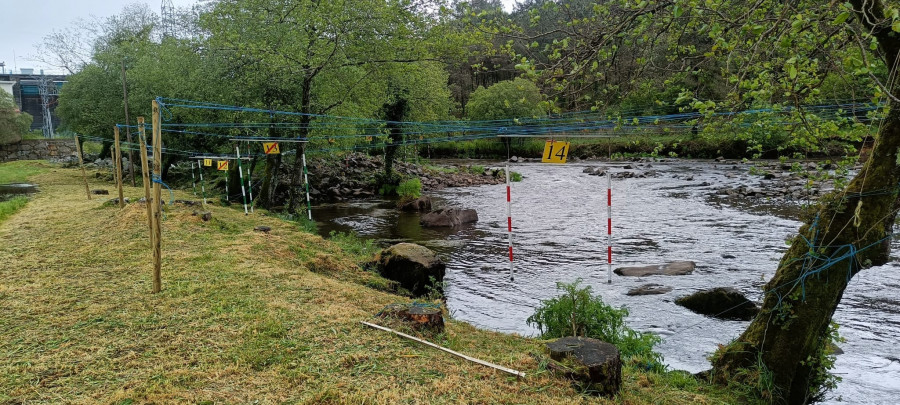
point(850, 231)
point(394, 112)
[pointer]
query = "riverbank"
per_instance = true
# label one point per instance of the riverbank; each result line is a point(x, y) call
point(243, 316)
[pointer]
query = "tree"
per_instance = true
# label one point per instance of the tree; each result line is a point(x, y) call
point(13, 122)
point(317, 55)
point(518, 98)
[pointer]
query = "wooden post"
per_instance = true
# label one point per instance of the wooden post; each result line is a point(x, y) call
point(127, 123)
point(118, 156)
point(87, 189)
point(145, 172)
point(157, 193)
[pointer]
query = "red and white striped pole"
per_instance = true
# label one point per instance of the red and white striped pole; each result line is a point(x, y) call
point(512, 271)
point(608, 228)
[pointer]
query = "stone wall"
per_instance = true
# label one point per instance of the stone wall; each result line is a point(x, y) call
point(38, 149)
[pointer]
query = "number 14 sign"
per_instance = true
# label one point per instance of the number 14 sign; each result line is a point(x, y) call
point(555, 152)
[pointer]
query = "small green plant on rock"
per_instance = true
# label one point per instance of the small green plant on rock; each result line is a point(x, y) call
point(409, 190)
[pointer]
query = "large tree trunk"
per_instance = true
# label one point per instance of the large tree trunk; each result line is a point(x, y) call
point(295, 190)
point(850, 231)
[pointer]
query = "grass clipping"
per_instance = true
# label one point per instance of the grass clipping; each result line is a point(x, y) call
point(241, 318)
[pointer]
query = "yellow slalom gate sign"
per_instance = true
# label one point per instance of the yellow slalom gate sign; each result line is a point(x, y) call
point(207, 162)
point(223, 164)
point(271, 148)
point(555, 152)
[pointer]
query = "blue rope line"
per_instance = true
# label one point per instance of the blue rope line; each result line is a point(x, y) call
point(157, 179)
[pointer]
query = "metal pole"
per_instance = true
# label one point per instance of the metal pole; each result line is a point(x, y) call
point(512, 270)
point(193, 180)
point(306, 181)
point(237, 152)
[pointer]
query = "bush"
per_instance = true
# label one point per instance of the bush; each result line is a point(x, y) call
point(410, 189)
point(577, 312)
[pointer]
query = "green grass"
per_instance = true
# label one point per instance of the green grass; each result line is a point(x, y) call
point(11, 206)
point(20, 171)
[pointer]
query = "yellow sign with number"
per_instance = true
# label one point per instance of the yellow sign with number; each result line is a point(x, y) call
point(207, 162)
point(223, 164)
point(555, 152)
point(271, 148)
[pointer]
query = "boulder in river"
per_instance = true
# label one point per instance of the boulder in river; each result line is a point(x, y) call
point(411, 265)
point(421, 204)
point(678, 268)
point(449, 217)
point(721, 302)
point(597, 363)
point(649, 289)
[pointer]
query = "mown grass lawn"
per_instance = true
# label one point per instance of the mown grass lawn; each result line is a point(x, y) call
point(243, 317)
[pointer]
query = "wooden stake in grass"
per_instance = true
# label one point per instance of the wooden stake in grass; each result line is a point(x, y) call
point(145, 172)
point(119, 166)
point(157, 194)
point(87, 189)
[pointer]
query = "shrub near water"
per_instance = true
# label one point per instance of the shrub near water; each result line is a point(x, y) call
point(409, 190)
point(577, 312)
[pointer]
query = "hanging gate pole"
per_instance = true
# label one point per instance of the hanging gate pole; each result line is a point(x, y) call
point(306, 181)
point(250, 180)
point(512, 270)
point(608, 228)
point(237, 152)
point(202, 183)
point(193, 180)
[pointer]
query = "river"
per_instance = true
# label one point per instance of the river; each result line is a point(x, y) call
point(559, 220)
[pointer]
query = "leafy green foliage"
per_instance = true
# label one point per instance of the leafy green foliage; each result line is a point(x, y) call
point(13, 123)
point(409, 190)
point(506, 100)
point(577, 312)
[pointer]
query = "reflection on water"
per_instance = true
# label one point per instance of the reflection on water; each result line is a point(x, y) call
point(559, 216)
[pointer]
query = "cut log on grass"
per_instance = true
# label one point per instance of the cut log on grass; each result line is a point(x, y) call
point(594, 362)
point(420, 317)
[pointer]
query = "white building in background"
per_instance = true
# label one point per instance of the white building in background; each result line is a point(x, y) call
point(7, 86)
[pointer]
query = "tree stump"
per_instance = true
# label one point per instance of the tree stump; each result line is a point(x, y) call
point(597, 363)
point(418, 316)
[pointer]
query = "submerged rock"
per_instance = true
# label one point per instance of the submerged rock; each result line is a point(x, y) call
point(411, 265)
point(679, 268)
point(421, 204)
point(649, 289)
point(449, 217)
point(721, 302)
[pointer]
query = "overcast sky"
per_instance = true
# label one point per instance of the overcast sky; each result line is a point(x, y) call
point(24, 23)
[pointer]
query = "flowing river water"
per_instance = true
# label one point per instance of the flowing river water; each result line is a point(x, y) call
point(559, 219)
